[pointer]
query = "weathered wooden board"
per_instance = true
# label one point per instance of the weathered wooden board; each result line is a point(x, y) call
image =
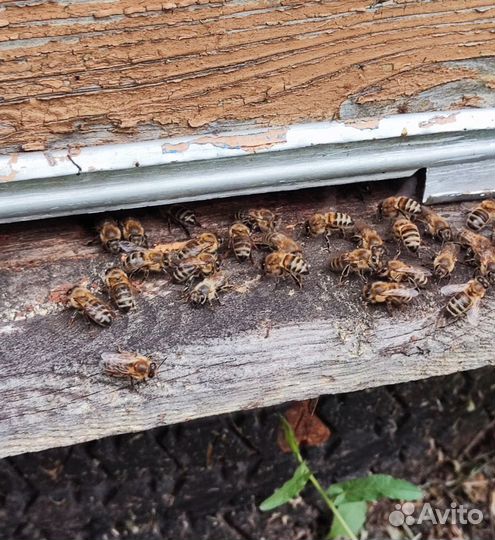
point(262, 346)
point(87, 72)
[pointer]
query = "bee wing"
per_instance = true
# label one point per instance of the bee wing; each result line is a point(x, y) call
point(403, 291)
point(417, 271)
point(117, 358)
point(452, 289)
point(473, 315)
point(128, 247)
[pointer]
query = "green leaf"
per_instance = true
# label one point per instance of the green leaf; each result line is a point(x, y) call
point(290, 436)
point(289, 490)
point(375, 487)
point(354, 514)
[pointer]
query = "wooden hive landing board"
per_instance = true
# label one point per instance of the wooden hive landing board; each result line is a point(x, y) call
point(260, 347)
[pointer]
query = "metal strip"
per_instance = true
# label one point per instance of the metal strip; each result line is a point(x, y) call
point(254, 141)
point(264, 172)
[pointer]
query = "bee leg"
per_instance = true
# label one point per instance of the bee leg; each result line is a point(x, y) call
point(344, 274)
point(297, 279)
point(278, 283)
point(362, 275)
point(184, 228)
point(72, 318)
point(327, 240)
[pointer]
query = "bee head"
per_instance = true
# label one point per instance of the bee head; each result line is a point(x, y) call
point(198, 297)
point(152, 370)
point(446, 234)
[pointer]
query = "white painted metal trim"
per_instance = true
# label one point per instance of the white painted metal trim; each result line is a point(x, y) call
point(113, 157)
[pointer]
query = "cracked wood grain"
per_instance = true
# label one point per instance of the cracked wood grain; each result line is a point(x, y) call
point(89, 73)
point(260, 347)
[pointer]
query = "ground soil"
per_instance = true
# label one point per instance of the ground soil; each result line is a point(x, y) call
point(205, 479)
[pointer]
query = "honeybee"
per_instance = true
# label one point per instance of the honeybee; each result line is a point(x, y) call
point(110, 235)
point(406, 232)
point(486, 261)
point(479, 251)
point(319, 224)
point(392, 207)
point(394, 294)
point(86, 303)
point(466, 298)
point(145, 260)
point(258, 219)
point(120, 288)
point(133, 231)
point(398, 271)
point(277, 241)
point(207, 290)
point(482, 215)
point(205, 243)
point(474, 242)
point(124, 364)
point(359, 260)
point(240, 241)
point(181, 216)
point(185, 270)
point(444, 263)
point(279, 263)
point(437, 226)
point(367, 237)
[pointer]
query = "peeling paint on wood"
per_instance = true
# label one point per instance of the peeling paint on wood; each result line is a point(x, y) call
point(91, 72)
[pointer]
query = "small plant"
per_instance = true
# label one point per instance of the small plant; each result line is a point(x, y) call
point(347, 501)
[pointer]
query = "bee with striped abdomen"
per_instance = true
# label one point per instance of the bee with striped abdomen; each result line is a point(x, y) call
point(319, 224)
point(129, 365)
point(240, 241)
point(384, 292)
point(277, 241)
point(392, 207)
point(120, 288)
point(279, 263)
point(133, 231)
point(445, 262)
point(145, 260)
point(480, 252)
point(399, 271)
point(110, 235)
point(407, 233)
point(473, 242)
point(436, 225)
point(207, 290)
point(360, 261)
point(367, 237)
point(185, 270)
point(181, 216)
point(486, 264)
point(205, 243)
point(86, 303)
point(482, 215)
point(258, 219)
point(466, 299)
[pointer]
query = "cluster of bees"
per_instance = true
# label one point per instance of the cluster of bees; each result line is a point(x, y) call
point(403, 281)
point(196, 262)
